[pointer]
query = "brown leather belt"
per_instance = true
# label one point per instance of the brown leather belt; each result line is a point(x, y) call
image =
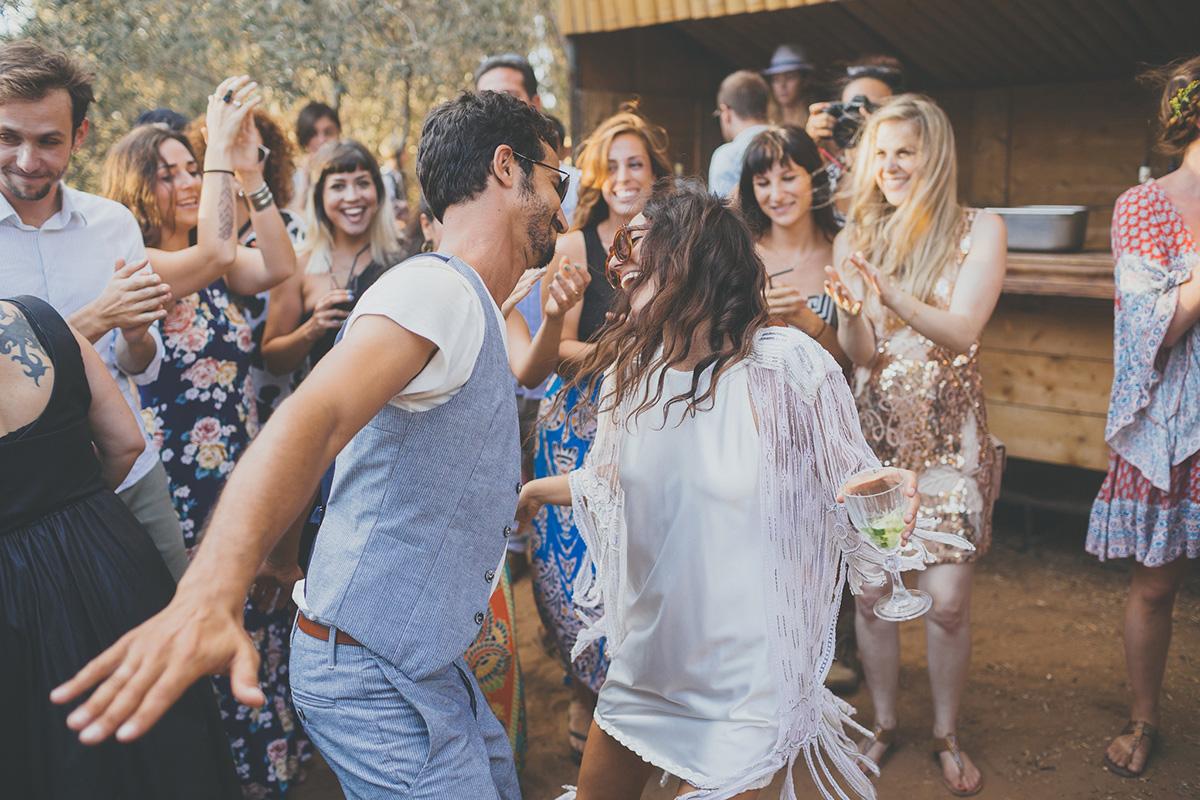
point(319, 631)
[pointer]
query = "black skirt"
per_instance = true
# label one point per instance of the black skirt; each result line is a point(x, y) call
point(71, 584)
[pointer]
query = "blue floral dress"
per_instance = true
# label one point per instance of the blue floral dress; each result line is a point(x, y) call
point(565, 431)
point(201, 413)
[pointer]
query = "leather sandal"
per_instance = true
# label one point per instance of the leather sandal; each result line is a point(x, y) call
point(577, 716)
point(883, 736)
point(1140, 730)
point(949, 744)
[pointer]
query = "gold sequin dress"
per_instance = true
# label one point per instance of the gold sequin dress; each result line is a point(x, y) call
point(921, 408)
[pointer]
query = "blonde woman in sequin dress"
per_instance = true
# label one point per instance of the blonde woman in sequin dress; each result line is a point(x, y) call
point(928, 273)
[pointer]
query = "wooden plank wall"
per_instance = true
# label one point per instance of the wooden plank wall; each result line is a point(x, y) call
point(675, 79)
point(1074, 143)
point(1047, 372)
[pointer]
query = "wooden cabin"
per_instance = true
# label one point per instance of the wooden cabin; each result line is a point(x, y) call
point(1046, 110)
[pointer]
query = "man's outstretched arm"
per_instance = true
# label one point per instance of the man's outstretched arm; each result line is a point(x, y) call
point(200, 632)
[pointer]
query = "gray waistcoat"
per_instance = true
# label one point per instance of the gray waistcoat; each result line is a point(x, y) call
point(418, 517)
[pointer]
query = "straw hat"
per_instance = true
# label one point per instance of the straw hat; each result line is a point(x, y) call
point(788, 58)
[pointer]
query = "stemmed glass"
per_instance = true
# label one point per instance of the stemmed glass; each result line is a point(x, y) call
point(876, 502)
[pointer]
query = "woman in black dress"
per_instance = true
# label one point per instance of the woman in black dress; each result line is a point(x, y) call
point(76, 572)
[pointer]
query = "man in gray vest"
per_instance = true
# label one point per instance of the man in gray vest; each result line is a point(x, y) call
point(419, 395)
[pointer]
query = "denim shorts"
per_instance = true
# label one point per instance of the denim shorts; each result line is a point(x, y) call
point(386, 736)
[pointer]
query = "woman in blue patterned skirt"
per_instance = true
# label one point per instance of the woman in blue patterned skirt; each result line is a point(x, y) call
point(201, 409)
point(619, 163)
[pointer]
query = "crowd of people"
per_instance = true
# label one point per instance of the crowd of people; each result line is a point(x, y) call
point(272, 445)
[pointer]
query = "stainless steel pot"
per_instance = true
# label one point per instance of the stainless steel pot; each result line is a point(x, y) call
point(1048, 229)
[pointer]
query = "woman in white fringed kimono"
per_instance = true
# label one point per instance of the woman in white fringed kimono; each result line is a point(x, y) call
point(709, 504)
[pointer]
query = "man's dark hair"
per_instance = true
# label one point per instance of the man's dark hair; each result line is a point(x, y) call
point(559, 128)
point(310, 115)
point(746, 94)
point(162, 116)
point(29, 71)
point(460, 137)
point(510, 61)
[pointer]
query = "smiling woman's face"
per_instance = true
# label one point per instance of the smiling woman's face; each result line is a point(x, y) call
point(177, 185)
point(897, 159)
point(350, 201)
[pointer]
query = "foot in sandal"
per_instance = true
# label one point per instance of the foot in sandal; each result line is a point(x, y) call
point(879, 747)
point(579, 722)
point(1129, 753)
point(959, 774)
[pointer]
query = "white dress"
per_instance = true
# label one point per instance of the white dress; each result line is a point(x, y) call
point(690, 687)
point(719, 555)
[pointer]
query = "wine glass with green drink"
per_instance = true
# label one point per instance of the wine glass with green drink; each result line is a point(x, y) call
point(876, 502)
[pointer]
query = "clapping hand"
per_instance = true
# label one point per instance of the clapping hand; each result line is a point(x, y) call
point(875, 280)
point(529, 278)
point(567, 288)
point(840, 293)
point(229, 108)
point(132, 300)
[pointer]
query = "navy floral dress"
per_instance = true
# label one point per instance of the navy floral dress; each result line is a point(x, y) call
point(201, 412)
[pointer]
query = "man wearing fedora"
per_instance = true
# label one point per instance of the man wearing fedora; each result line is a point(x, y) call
point(790, 75)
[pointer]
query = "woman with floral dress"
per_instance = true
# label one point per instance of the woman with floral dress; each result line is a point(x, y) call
point(1148, 508)
point(201, 409)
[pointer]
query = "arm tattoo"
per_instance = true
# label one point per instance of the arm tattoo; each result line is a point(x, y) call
point(225, 208)
point(20, 343)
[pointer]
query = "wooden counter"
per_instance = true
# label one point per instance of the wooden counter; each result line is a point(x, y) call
point(1046, 358)
point(1060, 274)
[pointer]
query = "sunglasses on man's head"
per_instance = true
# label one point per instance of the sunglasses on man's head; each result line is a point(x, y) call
point(624, 240)
point(564, 179)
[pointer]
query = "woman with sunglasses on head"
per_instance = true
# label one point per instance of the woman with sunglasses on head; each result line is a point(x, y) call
point(784, 197)
point(202, 405)
point(351, 241)
point(276, 155)
point(918, 278)
point(708, 497)
point(619, 163)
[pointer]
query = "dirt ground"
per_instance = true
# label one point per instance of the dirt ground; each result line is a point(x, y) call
point(1047, 687)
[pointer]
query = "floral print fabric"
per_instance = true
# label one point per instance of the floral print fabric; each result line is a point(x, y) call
point(1148, 505)
point(201, 412)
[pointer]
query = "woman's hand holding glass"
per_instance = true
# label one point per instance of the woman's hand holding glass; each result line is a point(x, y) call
point(330, 313)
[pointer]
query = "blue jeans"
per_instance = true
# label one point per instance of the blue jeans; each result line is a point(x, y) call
point(386, 736)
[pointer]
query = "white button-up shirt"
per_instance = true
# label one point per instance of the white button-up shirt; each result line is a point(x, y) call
point(67, 262)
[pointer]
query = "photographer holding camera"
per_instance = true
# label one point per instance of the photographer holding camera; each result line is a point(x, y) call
point(866, 84)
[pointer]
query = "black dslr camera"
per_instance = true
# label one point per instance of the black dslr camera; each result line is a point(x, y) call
point(848, 119)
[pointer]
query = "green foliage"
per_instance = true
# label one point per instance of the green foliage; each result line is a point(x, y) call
point(383, 63)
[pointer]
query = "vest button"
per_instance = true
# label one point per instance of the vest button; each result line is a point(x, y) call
point(507, 531)
point(518, 488)
point(478, 617)
point(490, 575)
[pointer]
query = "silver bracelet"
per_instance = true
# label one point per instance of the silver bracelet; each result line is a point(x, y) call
point(261, 198)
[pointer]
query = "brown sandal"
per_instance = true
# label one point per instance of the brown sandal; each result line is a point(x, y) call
point(1139, 729)
point(883, 736)
point(949, 744)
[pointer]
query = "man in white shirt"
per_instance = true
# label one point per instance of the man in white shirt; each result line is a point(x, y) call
point(742, 109)
point(415, 403)
point(83, 254)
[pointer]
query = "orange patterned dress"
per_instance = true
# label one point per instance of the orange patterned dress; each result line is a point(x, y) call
point(921, 408)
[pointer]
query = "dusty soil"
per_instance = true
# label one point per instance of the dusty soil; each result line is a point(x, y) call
point(1047, 688)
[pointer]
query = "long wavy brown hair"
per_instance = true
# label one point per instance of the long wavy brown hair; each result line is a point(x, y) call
point(131, 172)
point(709, 277)
point(592, 159)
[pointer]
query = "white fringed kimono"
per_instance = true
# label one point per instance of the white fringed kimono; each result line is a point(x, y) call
point(809, 443)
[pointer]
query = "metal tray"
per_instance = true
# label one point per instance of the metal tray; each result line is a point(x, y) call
point(1045, 229)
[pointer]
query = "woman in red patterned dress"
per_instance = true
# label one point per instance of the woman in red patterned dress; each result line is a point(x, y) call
point(1149, 504)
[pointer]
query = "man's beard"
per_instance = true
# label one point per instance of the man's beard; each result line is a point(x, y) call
point(27, 196)
point(540, 229)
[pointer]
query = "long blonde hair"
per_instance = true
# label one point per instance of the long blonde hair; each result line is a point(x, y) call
point(336, 158)
point(914, 241)
point(592, 160)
